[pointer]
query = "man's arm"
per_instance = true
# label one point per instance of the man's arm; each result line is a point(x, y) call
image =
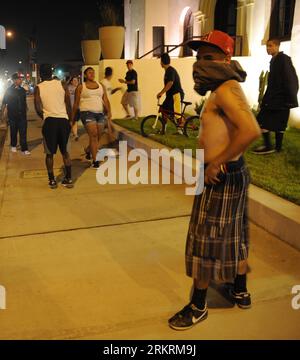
point(165, 89)
point(291, 82)
point(67, 101)
point(38, 102)
point(108, 112)
point(25, 101)
point(128, 82)
point(231, 100)
point(116, 90)
point(131, 81)
point(170, 79)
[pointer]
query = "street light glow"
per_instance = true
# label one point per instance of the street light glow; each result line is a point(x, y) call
point(9, 34)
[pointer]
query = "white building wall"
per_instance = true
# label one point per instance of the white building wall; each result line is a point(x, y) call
point(144, 14)
point(134, 16)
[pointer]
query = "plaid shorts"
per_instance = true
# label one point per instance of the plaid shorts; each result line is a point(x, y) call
point(218, 232)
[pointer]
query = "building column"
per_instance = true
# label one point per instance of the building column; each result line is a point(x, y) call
point(207, 8)
point(127, 20)
point(244, 23)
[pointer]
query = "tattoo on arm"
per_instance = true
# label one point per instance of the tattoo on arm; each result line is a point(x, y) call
point(240, 99)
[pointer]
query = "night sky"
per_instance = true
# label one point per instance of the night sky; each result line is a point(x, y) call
point(58, 27)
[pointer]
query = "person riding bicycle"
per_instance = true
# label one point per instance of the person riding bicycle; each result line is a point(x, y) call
point(173, 90)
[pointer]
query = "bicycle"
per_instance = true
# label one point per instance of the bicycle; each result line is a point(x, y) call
point(157, 124)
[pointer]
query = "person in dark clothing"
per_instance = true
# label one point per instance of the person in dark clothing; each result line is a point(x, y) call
point(172, 88)
point(131, 96)
point(280, 97)
point(15, 101)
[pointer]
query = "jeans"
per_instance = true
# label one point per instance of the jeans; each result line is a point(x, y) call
point(89, 116)
point(18, 125)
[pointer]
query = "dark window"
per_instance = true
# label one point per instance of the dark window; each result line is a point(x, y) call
point(158, 40)
point(225, 16)
point(282, 18)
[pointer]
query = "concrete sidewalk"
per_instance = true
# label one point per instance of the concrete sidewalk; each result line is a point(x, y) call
point(107, 262)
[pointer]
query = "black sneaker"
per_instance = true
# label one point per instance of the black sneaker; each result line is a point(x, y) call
point(188, 317)
point(243, 300)
point(52, 184)
point(263, 150)
point(95, 165)
point(68, 183)
point(87, 154)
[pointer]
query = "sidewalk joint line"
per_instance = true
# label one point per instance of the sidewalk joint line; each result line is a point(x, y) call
point(96, 226)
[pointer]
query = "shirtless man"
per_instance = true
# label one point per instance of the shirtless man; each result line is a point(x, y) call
point(217, 241)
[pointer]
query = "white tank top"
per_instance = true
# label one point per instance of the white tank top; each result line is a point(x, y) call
point(91, 99)
point(52, 95)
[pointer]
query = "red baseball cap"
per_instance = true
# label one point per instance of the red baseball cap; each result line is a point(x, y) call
point(216, 38)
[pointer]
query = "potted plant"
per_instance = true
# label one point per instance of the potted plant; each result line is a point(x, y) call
point(90, 44)
point(111, 30)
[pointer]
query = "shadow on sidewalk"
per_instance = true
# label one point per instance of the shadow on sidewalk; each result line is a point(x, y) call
point(3, 133)
point(32, 144)
point(78, 168)
point(217, 296)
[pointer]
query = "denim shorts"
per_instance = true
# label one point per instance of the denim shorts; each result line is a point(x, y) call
point(89, 116)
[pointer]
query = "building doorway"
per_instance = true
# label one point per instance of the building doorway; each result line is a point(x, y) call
point(158, 40)
point(188, 31)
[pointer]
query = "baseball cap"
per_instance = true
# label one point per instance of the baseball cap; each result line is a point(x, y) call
point(16, 76)
point(216, 38)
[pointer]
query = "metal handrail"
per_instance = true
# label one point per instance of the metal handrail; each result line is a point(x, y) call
point(156, 48)
point(174, 47)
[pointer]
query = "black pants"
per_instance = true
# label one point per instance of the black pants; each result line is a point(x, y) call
point(18, 125)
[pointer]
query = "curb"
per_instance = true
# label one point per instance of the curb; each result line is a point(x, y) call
point(278, 216)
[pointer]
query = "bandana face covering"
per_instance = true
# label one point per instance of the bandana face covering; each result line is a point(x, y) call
point(209, 75)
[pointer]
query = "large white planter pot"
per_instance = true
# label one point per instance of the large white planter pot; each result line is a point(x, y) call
point(112, 41)
point(91, 51)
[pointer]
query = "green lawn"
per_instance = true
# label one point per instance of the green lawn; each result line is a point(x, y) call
point(277, 173)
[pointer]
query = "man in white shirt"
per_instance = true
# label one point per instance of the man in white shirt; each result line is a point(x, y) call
point(53, 105)
point(106, 82)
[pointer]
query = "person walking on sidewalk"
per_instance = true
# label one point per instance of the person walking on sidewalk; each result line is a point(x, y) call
point(72, 86)
point(131, 96)
point(217, 241)
point(280, 97)
point(92, 101)
point(52, 104)
point(113, 142)
point(15, 102)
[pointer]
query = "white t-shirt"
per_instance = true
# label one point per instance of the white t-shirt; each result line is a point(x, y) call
point(52, 95)
point(108, 86)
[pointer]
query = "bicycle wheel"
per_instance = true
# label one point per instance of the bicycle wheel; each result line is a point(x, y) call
point(151, 126)
point(192, 127)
